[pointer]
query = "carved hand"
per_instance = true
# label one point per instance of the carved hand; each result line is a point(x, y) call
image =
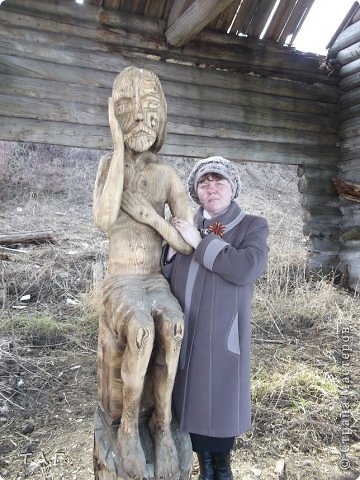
point(116, 132)
point(142, 211)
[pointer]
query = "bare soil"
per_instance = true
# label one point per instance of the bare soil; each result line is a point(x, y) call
point(48, 386)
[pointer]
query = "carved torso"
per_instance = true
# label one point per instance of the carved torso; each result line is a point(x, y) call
point(136, 247)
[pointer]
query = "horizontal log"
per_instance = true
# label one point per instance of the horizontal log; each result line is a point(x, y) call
point(321, 230)
point(244, 131)
point(350, 98)
point(308, 185)
point(27, 237)
point(323, 261)
point(347, 37)
point(350, 82)
point(247, 151)
point(55, 133)
point(291, 65)
point(53, 111)
point(72, 13)
point(310, 200)
point(350, 69)
point(352, 143)
point(350, 235)
point(100, 138)
point(350, 132)
point(107, 62)
point(17, 66)
point(83, 113)
point(350, 166)
point(320, 244)
point(350, 112)
point(323, 172)
point(349, 54)
point(54, 90)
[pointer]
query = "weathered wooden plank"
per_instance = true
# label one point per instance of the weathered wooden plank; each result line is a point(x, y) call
point(260, 17)
point(96, 114)
point(320, 172)
point(320, 244)
point(326, 262)
point(55, 133)
point(323, 230)
point(58, 133)
point(352, 143)
point(350, 82)
point(350, 112)
point(250, 99)
point(243, 131)
point(291, 64)
point(177, 9)
point(40, 88)
point(18, 66)
point(350, 169)
point(193, 20)
point(295, 19)
point(350, 68)
point(243, 151)
point(315, 202)
point(350, 98)
point(50, 89)
point(349, 54)
point(347, 37)
point(53, 110)
point(260, 116)
point(307, 185)
point(276, 25)
point(106, 61)
point(350, 131)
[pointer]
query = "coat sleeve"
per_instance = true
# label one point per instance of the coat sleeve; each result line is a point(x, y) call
point(241, 265)
point(166, 266)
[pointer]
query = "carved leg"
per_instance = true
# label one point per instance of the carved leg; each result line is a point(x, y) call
point(140, 340)
point(169, 333)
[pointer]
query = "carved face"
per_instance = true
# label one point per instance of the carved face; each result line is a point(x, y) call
point(137, 108)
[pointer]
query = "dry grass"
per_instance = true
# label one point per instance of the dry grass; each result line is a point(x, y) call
point(298, 320)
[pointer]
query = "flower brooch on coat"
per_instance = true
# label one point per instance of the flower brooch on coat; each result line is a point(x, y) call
point(216, 227)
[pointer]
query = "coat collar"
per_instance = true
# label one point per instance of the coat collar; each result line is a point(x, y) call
point(231, 214)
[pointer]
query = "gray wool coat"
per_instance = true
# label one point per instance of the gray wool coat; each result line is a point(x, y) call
point(214, 286)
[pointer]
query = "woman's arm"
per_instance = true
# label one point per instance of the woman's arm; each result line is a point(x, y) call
point(241, 265)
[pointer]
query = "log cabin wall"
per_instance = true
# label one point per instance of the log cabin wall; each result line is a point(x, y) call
point(244, 99)
point(345, 54)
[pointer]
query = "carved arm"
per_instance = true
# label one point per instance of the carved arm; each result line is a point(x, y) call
point(142, 211)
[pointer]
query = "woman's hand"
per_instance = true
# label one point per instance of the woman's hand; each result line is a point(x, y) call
point(189, 233)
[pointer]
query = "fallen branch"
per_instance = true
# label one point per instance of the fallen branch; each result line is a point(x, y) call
point(27, 237)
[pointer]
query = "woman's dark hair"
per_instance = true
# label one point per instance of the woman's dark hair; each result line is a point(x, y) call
point(209, 176)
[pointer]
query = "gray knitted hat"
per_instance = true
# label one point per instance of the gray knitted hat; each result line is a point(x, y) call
point(214, 165)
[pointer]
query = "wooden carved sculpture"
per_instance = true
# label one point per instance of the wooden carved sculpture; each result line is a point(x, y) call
point(141, 332)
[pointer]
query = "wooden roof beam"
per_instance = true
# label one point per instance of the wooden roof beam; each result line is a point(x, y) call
point(195, 18)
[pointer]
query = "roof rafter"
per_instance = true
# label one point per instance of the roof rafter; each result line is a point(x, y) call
point(195, 18)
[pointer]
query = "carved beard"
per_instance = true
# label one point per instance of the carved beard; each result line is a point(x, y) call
point(140, 138)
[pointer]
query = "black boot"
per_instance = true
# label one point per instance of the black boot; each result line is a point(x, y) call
point(222, 466)
point(206, 466)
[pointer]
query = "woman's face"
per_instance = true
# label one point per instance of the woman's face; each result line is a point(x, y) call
point(214, 193)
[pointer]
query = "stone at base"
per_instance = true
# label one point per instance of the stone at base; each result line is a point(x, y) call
point(107, 459)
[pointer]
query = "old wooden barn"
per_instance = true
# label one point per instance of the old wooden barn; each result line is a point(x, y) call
point(228, 91)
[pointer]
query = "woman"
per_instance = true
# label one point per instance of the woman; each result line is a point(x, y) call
point(214, 286)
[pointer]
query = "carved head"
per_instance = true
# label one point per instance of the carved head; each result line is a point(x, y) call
point(140, 108)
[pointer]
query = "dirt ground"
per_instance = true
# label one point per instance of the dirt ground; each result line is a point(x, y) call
point(48, 392)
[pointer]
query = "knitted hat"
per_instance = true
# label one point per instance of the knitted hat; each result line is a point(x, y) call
point(214, 165)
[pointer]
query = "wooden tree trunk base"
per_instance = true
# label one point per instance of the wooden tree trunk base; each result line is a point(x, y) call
point(107, 459)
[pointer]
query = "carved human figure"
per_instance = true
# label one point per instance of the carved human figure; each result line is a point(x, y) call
point(132, 187)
